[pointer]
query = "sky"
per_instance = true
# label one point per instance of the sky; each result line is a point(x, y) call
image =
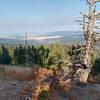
point(38, 16)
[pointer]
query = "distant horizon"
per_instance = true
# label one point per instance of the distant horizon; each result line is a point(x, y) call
point(34, 33)
point(49, 37)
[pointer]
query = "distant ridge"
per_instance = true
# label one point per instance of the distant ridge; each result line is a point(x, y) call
point(62, 37)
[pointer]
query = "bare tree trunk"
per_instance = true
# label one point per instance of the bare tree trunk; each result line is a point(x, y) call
point(90, 41)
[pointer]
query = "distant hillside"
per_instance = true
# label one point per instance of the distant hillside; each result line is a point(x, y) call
point(62, 37)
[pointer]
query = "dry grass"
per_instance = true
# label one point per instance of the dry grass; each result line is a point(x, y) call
point(2, 71)
point(22, 73)
point(19, 73)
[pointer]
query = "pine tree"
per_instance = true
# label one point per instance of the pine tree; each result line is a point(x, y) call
point(22, 54)
point(46, 55)
point(34, 55)
point(40, 55)
point(0, 57)
point(5, 57)
point(29, 56)
point(19, 55)
point(57, 56)
point(16, 55)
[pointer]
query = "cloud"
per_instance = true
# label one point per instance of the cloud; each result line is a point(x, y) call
point(39, 38)
point(31, 37)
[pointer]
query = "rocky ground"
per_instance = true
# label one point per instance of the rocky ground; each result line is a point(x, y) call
point(90, 92)
point(14, 88)
point(11, 89)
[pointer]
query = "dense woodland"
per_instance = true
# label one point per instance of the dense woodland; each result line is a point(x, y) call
point(53, 56)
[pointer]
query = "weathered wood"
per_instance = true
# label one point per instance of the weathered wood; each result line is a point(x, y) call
point(84, 57)
point(95, 1)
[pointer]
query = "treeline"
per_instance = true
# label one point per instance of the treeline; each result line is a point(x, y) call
point(52, 56)
point(31, 55)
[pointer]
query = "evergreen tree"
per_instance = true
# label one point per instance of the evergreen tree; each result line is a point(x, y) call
point(19, 55)
point(16, 55)
point(46, 55)
point(5, 57)
point(29, 56)
point(34, 55)
point(42, 55)
point(22, 51)
point(0, 57)
point(57, 56)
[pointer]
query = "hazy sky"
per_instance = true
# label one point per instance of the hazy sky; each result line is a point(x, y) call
point(18, 16)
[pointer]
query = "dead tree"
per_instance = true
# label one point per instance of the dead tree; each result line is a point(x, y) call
point(82, 57)
point(90, 36)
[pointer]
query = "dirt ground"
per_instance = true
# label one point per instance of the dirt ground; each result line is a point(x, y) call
point(14, 86)
point(11, 89)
